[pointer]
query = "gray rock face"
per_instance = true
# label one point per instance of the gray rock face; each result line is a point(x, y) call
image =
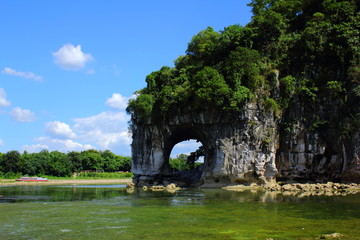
point(247, 147)
point(312, 152)
point(238, 147)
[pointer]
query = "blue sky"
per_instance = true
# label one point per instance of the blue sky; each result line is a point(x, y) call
point(68, 68)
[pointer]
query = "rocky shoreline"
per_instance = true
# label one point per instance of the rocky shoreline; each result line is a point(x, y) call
point(301, 189)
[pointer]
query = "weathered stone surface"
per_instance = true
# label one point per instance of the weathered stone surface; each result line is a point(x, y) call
point(238, 147)
point(247, 146)
point(307, 153)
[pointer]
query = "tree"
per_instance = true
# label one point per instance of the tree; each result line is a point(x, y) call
point(11, 162)
point(27, 164)
point(125, 163)
point(1, 162)
point(59, 164)
point(234, 36)
point(76, 161)
point(241, 68)
point(179, 163)
point(92, 160)
point(111, 163)
point(41, 161)
point(211, 87)
point(142, 106)
point(202, 47)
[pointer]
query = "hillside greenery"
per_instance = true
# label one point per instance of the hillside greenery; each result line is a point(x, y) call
point(291, 49)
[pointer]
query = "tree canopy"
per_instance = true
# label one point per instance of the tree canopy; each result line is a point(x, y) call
point(307, 48)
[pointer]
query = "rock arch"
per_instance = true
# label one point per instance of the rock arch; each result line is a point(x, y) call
point(183, 133)
point(239, 147)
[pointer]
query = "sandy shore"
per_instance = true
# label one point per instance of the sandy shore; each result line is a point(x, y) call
point(12, 182)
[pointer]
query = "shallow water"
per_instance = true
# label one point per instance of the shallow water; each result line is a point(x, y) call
point(109, 212)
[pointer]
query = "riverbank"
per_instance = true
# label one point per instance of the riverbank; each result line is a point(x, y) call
point(12, 182)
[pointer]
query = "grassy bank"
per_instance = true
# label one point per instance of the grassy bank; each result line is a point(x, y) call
point(68, 181)
point(83, 175)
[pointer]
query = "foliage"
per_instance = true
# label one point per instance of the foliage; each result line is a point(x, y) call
point(10, 175)
point(10, 162)
point(211, 87)
point(312, 45)
point(181, 163)
point(143, 105)
point(271, 104)
point(287, 89)
point(60, 164)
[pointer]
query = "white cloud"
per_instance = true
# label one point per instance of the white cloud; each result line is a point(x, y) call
point(29, 75)
point(22, 115)
point(117, 101)
point(106, 121)
point(52, 144)
point(1, 142)
point(35, 148)
point(3, 101)
point(59, 129)
point(106, 140)
point(70, 57)
point(107, 130)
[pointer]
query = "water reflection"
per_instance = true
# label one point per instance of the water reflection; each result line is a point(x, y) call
point(139, 197)
point(15, 194)
point(111, 212)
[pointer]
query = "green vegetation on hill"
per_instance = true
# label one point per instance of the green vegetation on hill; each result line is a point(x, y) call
point(291, 49)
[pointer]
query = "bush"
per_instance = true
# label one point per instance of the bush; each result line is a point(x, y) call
point(10, 175)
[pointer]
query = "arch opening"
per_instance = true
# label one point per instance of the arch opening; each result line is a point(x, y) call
point(185, 154)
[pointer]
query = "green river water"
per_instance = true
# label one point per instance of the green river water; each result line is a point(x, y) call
point(110, 212)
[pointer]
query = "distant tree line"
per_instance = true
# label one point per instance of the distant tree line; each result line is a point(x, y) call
point(60, 164)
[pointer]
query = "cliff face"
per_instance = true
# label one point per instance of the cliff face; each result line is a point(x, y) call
point(313, 146)
point(248, 147)
point(238, 147)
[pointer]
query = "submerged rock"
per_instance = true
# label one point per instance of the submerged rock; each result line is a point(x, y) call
point(331, 236)
point(301, 190)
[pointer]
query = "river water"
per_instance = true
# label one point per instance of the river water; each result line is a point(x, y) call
point(110, 212)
